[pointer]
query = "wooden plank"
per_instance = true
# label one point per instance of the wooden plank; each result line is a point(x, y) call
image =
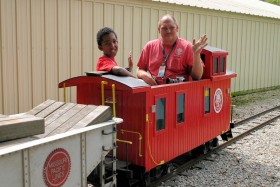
point(55, 106)
point(20, 128)
point(13, 117)
point(40, 107)
point(55, 115)
point(62, 119)
point(73, 120)
point(100, 114)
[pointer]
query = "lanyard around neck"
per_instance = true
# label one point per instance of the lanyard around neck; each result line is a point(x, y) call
point(165, 57)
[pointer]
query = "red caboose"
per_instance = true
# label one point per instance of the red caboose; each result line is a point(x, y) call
point(164, 121)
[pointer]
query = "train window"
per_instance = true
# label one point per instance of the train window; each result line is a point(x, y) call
point(206, 100)
point(222, 64)
point(160, 114)
point(215, 65)
point(180, 108)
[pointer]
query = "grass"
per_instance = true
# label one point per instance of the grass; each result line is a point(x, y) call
point(240, 93)
point(255, 95)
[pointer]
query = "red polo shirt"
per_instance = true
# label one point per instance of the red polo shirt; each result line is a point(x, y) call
point(179, 63)
point(105, 64)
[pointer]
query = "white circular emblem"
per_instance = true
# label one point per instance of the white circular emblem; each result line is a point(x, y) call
point(218, 100)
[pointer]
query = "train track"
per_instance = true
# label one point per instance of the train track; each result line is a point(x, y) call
point(242, 129)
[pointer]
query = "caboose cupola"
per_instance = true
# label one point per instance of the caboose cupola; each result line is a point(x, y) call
point(214, 61)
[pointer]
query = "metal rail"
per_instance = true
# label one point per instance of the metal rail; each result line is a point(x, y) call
point(255, 116)
point(195, 161)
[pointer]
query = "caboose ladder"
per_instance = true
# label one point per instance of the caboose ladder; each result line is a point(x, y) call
point(110, 180)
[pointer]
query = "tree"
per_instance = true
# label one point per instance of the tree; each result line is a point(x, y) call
point(276, 2)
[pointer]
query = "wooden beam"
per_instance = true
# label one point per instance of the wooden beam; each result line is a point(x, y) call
point(20, 126)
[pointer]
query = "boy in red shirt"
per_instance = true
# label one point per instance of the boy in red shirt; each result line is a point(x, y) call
point(107, 41)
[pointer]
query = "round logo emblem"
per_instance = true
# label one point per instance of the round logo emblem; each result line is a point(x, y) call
point(179, 52)
point(57, 168)
point(218, 100)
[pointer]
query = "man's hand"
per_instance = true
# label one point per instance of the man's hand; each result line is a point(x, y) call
point(199, 45)
point(197, 69)
point(146, 76)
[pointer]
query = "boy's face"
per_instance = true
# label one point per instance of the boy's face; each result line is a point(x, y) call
point(109, 45)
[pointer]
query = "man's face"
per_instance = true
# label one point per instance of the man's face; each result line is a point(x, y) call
point(168, 30)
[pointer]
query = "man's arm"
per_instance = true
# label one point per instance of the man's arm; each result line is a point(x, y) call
point(197, 69)
point(146, 76)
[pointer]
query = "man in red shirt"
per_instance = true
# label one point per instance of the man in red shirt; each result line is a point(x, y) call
point(108, 43)
point(170, 56)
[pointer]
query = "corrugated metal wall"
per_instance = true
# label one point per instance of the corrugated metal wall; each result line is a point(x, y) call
point(46, 41)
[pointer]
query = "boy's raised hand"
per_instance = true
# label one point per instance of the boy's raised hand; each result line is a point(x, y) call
point(130, 62)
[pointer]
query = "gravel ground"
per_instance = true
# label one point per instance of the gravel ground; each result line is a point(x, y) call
point(252, 161)
point(248, 105)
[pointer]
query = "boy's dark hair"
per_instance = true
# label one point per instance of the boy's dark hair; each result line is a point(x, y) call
point(102, 32)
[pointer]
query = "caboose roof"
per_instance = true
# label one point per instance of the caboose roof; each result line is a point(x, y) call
point(125, 80)
point(128, 81)
point(213, 49)
point(251, 7)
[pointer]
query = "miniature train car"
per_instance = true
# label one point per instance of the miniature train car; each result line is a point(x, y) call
point(61, 154)
point(164, 121)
